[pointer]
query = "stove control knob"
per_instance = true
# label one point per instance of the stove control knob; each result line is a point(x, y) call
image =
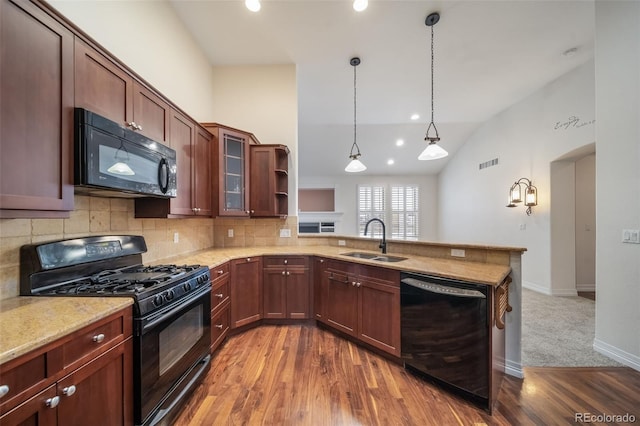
point(169, 295)
point(186, 286)
point(158, 300)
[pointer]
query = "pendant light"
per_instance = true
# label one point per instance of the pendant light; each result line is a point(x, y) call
point(355, 165)
point(433, 151)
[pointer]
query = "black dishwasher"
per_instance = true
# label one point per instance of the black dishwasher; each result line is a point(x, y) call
point(445, 333)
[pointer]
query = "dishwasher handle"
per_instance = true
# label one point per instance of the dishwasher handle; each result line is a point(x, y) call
point(443, 289)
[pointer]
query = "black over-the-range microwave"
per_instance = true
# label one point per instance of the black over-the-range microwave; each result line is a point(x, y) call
point(113, 161)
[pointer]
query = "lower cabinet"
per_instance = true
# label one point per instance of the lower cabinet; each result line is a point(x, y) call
point(84, 378)
point(359, 300)
point(246, 291)
point(285, 287)
point(220, 305)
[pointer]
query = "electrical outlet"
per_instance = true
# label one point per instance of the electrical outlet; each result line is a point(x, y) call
point(631, 236)
point(285, 233)
point(457, 253)
point(342, 243)
point(176, 238)
point(230, 233)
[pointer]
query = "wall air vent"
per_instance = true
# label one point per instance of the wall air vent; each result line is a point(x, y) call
point(489, 163)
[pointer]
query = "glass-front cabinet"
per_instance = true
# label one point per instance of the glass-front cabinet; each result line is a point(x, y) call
point(230, 185)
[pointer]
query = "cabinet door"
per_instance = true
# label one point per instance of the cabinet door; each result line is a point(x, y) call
point(379, 315)
point(297, 291)
point(274, 288)
point(151, 114)
point(202, 173)
point(263, 181)
point(101, 86)
point(234, 173)
point(37, 410)
point(36, 112)
point(342, 302)
point(219, 327)
point(320, 288)
point(246, 291)
point(182, 140)
point(100, 392)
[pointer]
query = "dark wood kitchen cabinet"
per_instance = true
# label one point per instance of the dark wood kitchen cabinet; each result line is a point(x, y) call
point(231, 158)
point(104, 87)
point(83, 378)
point(285, 287)
point(269, 181)
point(246, 291)
point(193, 150)
point(320, 288)
point(36, 112)
point(360, 300)
point(220, 304)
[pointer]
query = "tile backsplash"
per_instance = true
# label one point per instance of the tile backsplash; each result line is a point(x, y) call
point(104, 216)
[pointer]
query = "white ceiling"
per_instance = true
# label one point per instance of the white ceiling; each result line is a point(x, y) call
point(488, 56)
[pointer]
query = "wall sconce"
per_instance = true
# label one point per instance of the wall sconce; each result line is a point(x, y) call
point(523, 187)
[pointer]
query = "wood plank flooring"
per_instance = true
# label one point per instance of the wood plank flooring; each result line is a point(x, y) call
point(303, 375)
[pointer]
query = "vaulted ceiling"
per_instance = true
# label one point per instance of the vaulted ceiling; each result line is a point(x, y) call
point(488, 56)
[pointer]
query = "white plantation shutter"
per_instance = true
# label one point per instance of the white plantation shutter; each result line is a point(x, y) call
point(371, 203)
point(404, 212)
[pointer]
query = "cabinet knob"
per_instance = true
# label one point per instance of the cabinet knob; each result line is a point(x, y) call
point(4, 389)
point(353, 283)
point(321, 260)
point(288, 273)
point(253, 211)
point(286, 261)
point(69, 390)
point(219, 295)
point(220, 272)
point(53, 402)
point(283, 272)
point(139, 127)
point(358, 284)
point(218, 326)
point(248, 259)
point(98, 338)
point(247, 211)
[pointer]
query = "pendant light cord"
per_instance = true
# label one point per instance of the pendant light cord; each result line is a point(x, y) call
point(432, 77)
point(432, 139)
point(355, 144)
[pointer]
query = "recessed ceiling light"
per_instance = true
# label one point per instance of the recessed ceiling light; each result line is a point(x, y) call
point(415, 116)
point(360, 5)
point(252, 5)
point(400, 142)
point(390, 161)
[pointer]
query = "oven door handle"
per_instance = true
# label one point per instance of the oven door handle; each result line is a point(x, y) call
point(158, 317)
point(443, 289)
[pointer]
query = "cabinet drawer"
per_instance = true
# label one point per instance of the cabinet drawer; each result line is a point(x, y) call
point(219, 327)
point(87, 343)
point(280, 261)
point(21, 379)
point(219, 272)
point(220, 294)
point(381, 275)
point(33, 411)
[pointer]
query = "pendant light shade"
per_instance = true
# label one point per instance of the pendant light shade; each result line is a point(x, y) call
point(355, 165)
point(433, 151)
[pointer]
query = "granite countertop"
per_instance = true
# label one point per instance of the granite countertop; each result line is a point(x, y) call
point(483, 273)
point(27, 323)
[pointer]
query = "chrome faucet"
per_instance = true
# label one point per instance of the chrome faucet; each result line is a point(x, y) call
point(383, 243)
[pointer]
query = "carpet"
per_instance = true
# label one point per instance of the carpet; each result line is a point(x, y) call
point(559, 332)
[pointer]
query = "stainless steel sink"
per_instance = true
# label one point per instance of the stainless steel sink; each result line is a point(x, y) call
point(374, 256)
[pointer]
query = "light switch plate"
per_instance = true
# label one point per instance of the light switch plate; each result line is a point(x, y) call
point(285, 233)
point(631, 236)
point(457, 253)
point(230, 233)
point(176, 238)
point(342, 243)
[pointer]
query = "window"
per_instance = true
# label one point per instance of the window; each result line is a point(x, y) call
point(402, 208)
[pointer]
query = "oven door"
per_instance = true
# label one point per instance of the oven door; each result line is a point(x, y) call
point(171, 354)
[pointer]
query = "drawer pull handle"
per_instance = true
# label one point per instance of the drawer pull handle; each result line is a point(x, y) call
point(220, 272)
point(248, 259)
point(219, 295)
point(53, 402)
point(288, 273)
point(358, 284)
point(98, 338)
point(69, 390)
point(4, 389)
point(286, 261)
point(219, 326)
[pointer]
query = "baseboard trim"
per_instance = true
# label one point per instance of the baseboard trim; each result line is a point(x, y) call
point(565, 292)
point(535, 287)
point(617, 354)
point(513, 369)
point(586, 287)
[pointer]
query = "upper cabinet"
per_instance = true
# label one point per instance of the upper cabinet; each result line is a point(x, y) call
point(193, 152)
point(231, 156)
point(101, 86)
point(36, 112)
point(269, 181)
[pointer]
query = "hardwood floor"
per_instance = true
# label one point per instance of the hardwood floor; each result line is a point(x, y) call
point(303, 375)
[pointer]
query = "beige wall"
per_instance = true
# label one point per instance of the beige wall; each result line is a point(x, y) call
point(586, 223)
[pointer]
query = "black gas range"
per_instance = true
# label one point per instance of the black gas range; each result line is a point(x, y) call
point(172, 304)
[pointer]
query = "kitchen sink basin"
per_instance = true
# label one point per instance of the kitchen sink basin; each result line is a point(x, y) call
point(374, 256)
